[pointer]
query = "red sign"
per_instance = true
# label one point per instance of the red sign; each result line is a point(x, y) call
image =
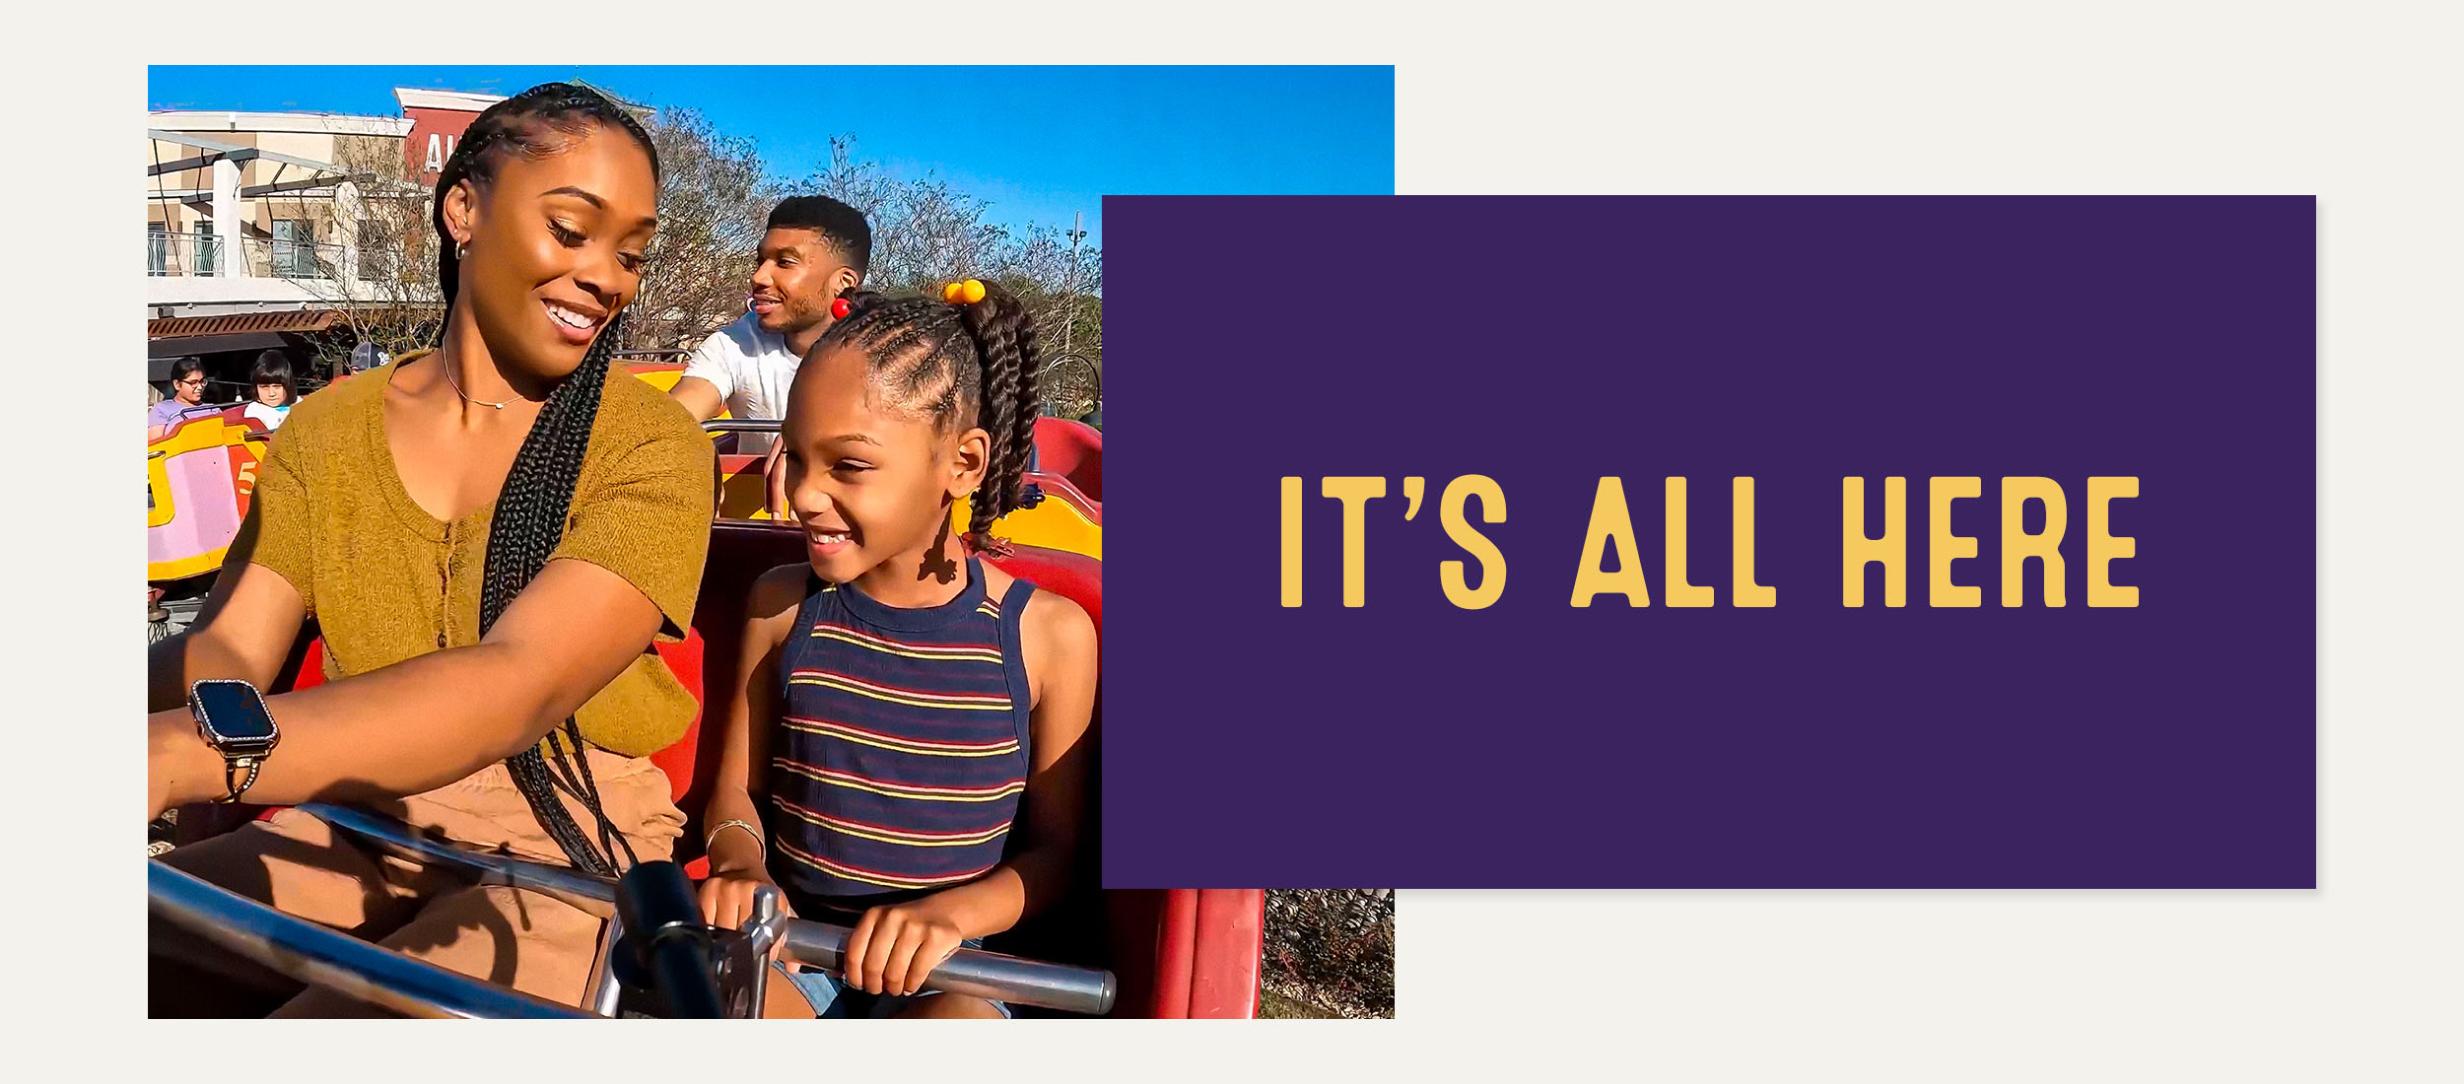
point(434, 134)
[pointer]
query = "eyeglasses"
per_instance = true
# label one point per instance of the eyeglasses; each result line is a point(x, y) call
point(190, 383)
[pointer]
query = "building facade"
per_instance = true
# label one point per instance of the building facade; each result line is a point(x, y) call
point(262, 227)
point(250, 212)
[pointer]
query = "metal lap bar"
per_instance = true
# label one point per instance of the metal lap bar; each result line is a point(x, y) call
point(329, 958)
point(594, 894)
point(771, 425)
point(602, 989)
point(971, 972)
point(974, 972)
point(716, 427)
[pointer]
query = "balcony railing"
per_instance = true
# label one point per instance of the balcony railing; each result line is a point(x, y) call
point(174, 254)
point(181, 254)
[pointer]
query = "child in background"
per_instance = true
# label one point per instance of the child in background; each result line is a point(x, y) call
point(276, 391)
point(905, 753)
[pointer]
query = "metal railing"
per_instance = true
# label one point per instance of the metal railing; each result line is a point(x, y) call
point(282, 259)
point(771, 427)
point(191, 254)
point(1071, 387)
point(169, 254)
point(329, 958)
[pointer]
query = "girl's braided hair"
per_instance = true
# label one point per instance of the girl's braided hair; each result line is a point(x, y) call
point(964, 364)
point(530, 511)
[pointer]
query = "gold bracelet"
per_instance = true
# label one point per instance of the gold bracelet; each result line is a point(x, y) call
point(724, 825)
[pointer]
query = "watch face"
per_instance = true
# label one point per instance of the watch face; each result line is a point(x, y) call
point(232, 711)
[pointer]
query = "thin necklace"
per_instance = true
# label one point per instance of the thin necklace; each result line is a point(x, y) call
point(457, 387)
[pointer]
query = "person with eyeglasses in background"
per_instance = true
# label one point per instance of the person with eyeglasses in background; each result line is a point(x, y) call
point(187, 397)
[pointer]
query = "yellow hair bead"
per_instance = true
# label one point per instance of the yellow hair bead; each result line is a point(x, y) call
point(963, 292)
point(950, 292)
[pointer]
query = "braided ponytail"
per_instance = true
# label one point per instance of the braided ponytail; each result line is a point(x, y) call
point(1005, 348)
point(529, 519)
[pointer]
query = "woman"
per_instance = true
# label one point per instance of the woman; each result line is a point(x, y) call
point(187, 397)
point(489, 536)
point(276, 390)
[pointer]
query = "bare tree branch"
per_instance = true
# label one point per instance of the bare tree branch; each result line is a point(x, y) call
point(715, 194)
point(926, 233)
point(713, 200)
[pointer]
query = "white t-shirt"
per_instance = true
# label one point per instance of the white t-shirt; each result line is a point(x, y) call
point(751, 368)
point(269, 416)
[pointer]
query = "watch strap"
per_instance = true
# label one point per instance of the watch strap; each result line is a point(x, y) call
point(234, 782)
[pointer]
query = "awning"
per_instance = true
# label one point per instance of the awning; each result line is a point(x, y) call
point(295, 320)
point(213, 150)
point(160, 352)
point(174, 337)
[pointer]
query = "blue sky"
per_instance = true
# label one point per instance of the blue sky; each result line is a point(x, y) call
point(1038, 143)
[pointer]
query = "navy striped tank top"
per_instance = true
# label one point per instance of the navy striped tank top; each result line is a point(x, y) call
point(902, 746)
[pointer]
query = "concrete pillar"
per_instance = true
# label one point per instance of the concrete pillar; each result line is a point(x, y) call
point(227, 226)
point(346, 232)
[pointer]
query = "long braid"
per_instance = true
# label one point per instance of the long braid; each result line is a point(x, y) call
point(1006, 348)
point(972, 362)
point(528, 524)
point(529, 520)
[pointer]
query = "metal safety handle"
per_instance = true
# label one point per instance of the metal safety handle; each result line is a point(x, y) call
point(771, 425)
point(329, 958)
point(973, 972)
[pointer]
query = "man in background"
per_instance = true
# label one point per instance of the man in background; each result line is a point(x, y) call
point(814, 250)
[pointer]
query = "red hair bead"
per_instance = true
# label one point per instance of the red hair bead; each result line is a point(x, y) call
point(839, 308)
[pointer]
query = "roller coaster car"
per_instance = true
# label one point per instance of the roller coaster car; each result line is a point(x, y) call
point(1067, 473)
point(1062, 512)
point(199, 475)
point(1175, 953)
point(1073, 451)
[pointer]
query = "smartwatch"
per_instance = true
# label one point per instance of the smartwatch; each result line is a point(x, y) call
point(231, 717)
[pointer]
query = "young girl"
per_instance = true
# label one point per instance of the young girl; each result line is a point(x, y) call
point(275, 390)
point(910, 718)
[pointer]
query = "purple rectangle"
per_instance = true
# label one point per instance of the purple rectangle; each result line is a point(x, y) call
point(1548, 342)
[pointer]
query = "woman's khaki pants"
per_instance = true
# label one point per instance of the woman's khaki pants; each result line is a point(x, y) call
point(508, 936)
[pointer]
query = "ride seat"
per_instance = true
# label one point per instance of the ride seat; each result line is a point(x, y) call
point(1073, 450)
point(1058, 488)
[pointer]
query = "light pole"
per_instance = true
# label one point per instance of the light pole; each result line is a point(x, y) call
point(1069, 292)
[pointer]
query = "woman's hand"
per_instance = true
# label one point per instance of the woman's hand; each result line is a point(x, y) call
point(893, 949)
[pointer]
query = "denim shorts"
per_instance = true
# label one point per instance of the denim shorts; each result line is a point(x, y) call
point(831, 998)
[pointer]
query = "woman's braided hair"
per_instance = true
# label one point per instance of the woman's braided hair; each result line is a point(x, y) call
point(969, 364)
point(529, 520)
